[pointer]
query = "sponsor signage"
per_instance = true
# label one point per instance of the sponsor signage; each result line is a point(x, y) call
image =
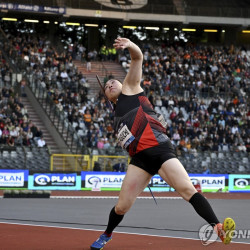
point(102, 179)
point(32, 8)
point(13, 178)
point(239, 183)
point(55, 181)
point(113, 180)
point(210, 182)
point(157, 181)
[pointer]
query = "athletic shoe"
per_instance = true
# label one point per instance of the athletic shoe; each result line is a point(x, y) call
point(225, 230)
point(100, 242)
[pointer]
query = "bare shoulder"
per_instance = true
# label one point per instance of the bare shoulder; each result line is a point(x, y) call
point(130, 89)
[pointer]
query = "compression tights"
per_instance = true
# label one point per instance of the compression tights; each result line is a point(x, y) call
point(203, 208)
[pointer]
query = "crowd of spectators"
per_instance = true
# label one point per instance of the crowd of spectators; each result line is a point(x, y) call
point(66, 86)
point(16, 129)
point(199, 70)
point(203, 92)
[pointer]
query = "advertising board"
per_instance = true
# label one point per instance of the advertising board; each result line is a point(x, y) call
point(239, 183)
point(113, 181)
point(54, 181)
point(13, 178)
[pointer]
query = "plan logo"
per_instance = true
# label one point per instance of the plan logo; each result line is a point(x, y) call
point(94, 179)
point(54, 180)
point(241, 183)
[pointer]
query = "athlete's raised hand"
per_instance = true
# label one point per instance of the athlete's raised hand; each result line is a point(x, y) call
point(122, 43)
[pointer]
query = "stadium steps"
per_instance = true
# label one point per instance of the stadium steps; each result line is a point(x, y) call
point(33, 116)
point(61, 129)
point(96, 69)
point(101, 69)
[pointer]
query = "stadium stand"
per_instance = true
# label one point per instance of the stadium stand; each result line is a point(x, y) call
point(201, 90)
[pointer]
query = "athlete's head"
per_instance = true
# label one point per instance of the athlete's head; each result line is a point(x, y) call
point(113, 89)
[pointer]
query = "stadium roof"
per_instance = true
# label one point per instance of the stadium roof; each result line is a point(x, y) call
point(175, 11)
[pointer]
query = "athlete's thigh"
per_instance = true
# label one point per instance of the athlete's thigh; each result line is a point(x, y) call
point(173, 172)
point(134, 183)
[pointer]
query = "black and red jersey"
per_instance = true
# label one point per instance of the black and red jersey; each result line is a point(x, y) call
point(137, 113)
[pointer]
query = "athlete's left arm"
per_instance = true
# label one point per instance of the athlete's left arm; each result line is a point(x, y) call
point(131, 83)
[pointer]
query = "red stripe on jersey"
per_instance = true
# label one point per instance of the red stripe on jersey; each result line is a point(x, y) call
point(147, 139)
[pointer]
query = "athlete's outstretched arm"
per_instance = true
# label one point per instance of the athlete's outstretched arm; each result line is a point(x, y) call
point(131, 84)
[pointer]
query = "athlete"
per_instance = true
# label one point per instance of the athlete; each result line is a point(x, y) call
point(142, 133)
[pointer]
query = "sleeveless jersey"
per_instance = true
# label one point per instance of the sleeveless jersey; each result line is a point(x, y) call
point(136, 113)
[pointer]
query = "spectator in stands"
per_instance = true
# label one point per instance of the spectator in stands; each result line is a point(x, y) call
point(30, 136)
point(92, 137)
point(97, 166)
point(37, 133)
point(88, 64)
point(206, 170)
point(19, 139)
point(119, 167)
point(41, 142)
point(235, 129)
point(5, 133)
point(23, 86)
point(24, 111)
point(64, 75)
point(87, 118)
point(26, 141)
point(10, 141)
point(13, 132)
point(106, 145)
point(100, 143)
point(242, 147)
point(176, 137)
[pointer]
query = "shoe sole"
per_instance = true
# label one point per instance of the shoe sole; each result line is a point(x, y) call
point(228, 227)
point(93, 248)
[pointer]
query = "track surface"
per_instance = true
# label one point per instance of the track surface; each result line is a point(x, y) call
point(73, 220)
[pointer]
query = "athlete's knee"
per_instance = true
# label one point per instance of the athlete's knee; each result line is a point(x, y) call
point(186, 191)
point(122, 209)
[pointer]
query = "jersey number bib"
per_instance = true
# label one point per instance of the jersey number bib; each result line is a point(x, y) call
point(125, 137)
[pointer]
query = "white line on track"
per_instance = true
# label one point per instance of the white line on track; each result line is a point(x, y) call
point(86, 229)
point(112, 197)
point(104, 197)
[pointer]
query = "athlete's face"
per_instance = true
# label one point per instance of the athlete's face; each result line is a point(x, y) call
point(113, 89)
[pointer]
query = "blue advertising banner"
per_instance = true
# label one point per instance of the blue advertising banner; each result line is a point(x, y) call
point(13, 178)
point(54, 181)
point(209, 183)
point(239, 183)
point(32, 8)
point(113, 181)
